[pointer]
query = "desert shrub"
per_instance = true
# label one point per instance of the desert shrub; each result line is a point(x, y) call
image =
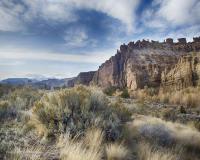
point(6, 110)
point(5, 89)
point(24, 98)
point(151, 91)
point(169, 114)
point(195, 124)
point(158, 133)
point(123, 112)
point(74, 110)
point(165, 133)
point(110, 90)
point(20, 99)
point(182, 110)
point(125, 93)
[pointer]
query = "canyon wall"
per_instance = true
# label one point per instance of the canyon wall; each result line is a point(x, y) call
point(148, 63)
point(141, 64)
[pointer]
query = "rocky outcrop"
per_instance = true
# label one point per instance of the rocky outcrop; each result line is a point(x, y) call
point(141, 64)
point(186, 73)
point(83, 78)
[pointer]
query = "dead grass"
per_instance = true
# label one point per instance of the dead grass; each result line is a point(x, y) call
point(117, 152)
point(77, 148)
point(187, 97)
point(94, 138)
point(148, 152)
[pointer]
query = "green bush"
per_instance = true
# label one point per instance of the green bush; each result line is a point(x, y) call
point(110, 90)
point(125, 93)
point(74, 110)
point(5, 110)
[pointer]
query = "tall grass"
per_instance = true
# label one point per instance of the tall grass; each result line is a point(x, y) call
point(148, 152)
point(117, 151)
point(188, 97)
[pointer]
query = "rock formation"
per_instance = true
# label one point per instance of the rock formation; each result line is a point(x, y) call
point(186, 73)
point(83, 78)
point(141, 64)
point(144, 63)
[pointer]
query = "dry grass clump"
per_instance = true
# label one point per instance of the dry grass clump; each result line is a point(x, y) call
point(94, 138)
point(187, 97)
point(117, 152)
point(88, 147)
point(148, 152)
point(76, 150)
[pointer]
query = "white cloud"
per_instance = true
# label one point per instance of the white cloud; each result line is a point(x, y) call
point(164, 17)
point(15, 15)
point(76, 37)
point(56, 64)
point(57, 10)
point(10, 13)
point(123, 10)
point(172, 13)
point(179, 12)
point(97, 57)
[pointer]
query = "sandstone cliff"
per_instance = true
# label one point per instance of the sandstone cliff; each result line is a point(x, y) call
point(186, 73)
point(141, 64)
point(146, 63)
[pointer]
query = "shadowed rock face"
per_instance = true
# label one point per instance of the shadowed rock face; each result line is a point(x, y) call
point(83, 78)
point(141, 64)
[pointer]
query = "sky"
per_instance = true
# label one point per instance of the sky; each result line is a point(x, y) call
point(60, 38)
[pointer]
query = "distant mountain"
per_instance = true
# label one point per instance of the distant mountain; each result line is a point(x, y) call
point(45, 84)
point(52, 83)
point(18, 81)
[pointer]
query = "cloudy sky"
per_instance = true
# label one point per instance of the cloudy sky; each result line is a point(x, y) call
point(60, 38)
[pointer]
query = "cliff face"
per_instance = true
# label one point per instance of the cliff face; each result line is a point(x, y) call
point(151, 64)
point(185, 73)
point(141, 64)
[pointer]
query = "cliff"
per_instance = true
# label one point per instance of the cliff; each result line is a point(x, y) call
point(184, 74)
point(141, 64)
point(144, 63)
point(83, 78)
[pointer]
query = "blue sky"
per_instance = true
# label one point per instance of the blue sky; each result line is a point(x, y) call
point(60, 38)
